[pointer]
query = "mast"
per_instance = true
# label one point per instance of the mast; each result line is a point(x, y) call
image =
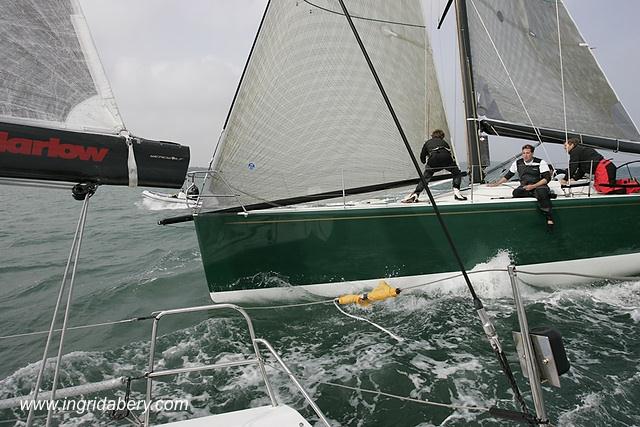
point(464, 47)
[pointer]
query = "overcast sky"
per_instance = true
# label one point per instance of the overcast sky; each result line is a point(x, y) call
point(174, 64)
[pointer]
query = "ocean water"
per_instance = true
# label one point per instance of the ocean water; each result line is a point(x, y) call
point(130, 267)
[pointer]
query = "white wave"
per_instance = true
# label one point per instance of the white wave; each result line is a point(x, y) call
point(490, 280)
point(159, 205)
point(588, 408)
point(624, 295)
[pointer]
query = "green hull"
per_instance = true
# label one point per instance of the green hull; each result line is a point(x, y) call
point(326, 246)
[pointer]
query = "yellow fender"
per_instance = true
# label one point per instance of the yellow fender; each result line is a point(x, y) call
point(380, 293)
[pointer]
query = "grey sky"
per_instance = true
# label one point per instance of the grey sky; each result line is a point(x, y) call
point(174, 64)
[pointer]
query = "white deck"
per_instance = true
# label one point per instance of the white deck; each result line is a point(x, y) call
point(267, 416)
point(480, 194)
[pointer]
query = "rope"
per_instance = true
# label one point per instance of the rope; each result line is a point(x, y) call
point(497, 270)
point(391, 334)
point(453, 276)
point(590, 276)
point(409, 399)
point(26, 334)
point(290, 305)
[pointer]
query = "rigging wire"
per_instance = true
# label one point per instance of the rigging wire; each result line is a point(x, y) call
point(56, 370)
point(93, 325)
point(75, 242)
point(564, 101)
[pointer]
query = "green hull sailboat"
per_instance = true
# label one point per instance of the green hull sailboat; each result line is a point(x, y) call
point(283, 213)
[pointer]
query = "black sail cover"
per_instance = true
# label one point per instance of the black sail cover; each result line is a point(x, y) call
point(30, 152)
point(525, 34)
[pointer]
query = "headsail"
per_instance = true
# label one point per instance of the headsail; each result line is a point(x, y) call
point(308, 117)
point(58, 118)
point(524, 35)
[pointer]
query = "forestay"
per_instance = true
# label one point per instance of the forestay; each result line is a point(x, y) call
point(525, 35)
point(52, 36)
point(308, 117)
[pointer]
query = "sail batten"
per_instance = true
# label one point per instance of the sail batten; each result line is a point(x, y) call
point(515, 55)
point(308, 117)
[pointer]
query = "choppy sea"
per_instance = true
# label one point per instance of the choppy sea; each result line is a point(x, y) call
point(130, 267)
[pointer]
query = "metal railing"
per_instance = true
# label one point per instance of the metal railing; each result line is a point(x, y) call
point(257, 360)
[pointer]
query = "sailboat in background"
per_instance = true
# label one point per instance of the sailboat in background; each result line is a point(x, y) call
point(58, 118)
point(308, 125)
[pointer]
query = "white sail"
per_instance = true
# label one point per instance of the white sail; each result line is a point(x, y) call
point(50, 73)
point(308, 117)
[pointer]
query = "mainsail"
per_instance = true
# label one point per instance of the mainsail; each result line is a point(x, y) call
point(58, 118)
point(518, 75)
point(48, 70)
point(308, 117)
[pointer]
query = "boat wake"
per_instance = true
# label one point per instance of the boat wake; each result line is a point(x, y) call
point(159, 205)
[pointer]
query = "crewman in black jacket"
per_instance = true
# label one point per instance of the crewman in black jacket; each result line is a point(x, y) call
point(439, 153)
point(585, 160)
point(534, 175)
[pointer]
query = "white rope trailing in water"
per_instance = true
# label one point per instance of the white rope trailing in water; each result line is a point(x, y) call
point(394, 336)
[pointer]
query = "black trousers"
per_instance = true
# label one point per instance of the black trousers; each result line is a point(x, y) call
point(542, 194)
point(438, 161)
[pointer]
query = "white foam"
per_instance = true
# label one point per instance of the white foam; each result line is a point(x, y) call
point(624, 295)
point(589, 407)
point(489, 279)
point(159, 205)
